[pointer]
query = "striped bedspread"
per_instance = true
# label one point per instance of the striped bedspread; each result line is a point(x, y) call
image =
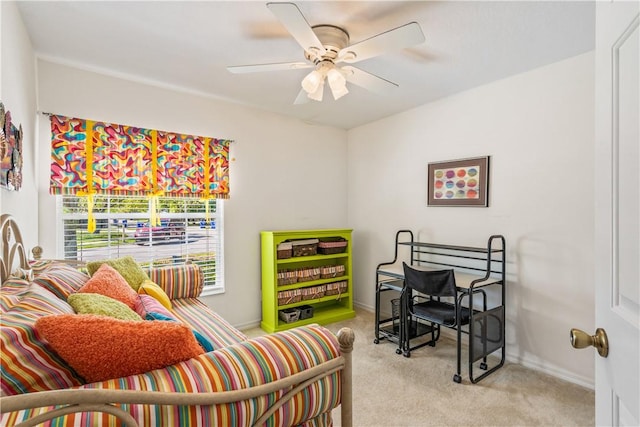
point(245, 364)
point(29, 365)
point(183, 284)
point(196, 314)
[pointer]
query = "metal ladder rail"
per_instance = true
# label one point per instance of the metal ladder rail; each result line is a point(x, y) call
point(378, 290)
point(501, 282)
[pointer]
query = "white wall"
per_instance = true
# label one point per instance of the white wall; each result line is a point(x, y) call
point(538, 129)
point(18, 93)
point(285, 174)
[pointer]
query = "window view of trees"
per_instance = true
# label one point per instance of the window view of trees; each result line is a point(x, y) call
point(184, 232)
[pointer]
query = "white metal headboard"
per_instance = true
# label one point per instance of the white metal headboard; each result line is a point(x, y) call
point(12, 249)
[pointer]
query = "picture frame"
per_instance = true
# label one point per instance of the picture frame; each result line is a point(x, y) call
point(462, 182)
point(10, 152)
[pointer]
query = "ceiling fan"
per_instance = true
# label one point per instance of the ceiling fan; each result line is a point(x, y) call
point(326, 46)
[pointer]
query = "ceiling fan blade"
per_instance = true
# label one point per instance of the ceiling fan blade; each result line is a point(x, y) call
point(398, 38)
point(293, 20)
point(242, 69)
point(368, 81)
point(302, 98)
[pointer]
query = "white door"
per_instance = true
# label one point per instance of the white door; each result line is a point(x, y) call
point(617, 213)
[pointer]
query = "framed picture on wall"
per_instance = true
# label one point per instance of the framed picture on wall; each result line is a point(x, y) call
point(463, 182)
point(10, 152)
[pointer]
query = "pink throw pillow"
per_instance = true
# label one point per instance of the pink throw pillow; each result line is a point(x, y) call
point(148, 304)
point(108, 282)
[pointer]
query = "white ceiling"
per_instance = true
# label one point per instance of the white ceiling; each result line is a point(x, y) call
point(188, 45)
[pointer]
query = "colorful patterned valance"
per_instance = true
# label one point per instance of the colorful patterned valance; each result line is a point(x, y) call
point(91, 157)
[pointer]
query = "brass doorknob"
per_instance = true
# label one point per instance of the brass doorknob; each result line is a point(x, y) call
point(580, 339)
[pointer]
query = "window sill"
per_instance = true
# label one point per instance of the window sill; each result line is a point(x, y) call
point(212, 290)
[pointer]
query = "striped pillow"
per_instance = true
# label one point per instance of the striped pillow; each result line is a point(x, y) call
point(28, 363)
point(11, 293)
point(179, 281)
point(61, 279)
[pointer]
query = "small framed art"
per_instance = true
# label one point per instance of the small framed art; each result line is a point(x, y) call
point(10, 152)
point(463, 182)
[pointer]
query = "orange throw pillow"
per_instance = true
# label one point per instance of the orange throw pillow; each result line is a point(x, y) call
point(100, 348)
point(108, 282)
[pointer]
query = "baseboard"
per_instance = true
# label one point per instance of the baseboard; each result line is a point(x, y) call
point(554, 371)
point(535, 364)
point(247, 325)
point(365, 307)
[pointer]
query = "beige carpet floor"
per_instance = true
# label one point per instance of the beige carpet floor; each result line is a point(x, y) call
point(391, 390)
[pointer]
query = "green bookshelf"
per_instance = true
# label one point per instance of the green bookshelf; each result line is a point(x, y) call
point(326, 308)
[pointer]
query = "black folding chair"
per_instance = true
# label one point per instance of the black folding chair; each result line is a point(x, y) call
point(423, 297)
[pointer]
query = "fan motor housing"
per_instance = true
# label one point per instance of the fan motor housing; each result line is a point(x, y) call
point(333, 39)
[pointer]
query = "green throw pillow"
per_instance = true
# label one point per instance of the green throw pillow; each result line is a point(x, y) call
point(86, 303)
point(126, 266)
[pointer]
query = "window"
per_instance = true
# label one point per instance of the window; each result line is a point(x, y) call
point(182, 234)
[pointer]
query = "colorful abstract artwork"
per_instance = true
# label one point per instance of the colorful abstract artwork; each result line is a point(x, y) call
point(10, 152)
point(462, 182)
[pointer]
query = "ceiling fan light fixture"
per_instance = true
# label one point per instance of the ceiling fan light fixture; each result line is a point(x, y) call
point(339, 92)
point(335, 77)
point(312, 81)
point(337, 83)
point(317, 94)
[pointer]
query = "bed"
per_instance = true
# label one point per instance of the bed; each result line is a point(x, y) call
point(306, 395)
